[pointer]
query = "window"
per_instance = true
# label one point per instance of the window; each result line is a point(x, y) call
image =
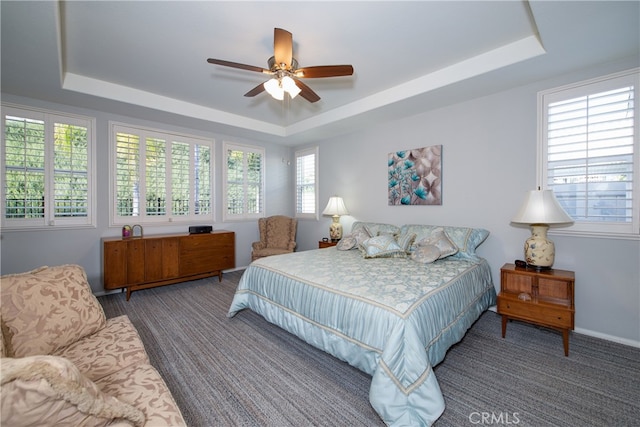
point(243, 182)
point(307, 183)
point(589, 151)
point(48, 165)
point(159, 177)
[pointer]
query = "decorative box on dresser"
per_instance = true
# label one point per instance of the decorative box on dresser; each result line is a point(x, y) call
point(541, 297)
point(145, 262)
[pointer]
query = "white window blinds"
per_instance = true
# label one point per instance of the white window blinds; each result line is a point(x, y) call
point(590, 153)
point(306, 183)
point(243, 182)
point(160, 177)
point(47, 169)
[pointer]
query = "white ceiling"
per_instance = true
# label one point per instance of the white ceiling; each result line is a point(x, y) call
point(148, 58)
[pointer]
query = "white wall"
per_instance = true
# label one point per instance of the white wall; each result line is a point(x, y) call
point(23, 251)
point(489, 163)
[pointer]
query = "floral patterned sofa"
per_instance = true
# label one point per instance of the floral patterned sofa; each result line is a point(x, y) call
point(64, 363)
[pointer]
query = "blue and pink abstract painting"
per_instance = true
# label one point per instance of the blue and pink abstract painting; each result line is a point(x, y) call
point(415, 176)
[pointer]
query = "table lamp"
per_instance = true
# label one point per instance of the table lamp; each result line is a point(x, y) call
point(335, 208)
point(540, 209)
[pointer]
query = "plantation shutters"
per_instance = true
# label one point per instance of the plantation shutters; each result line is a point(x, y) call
point(47, 169)
point(243, 182)
point(307, 183)
point(160, 177)
point(592, 152)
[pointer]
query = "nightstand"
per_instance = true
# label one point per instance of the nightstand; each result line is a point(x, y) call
point(544, 298)
point(322, 245)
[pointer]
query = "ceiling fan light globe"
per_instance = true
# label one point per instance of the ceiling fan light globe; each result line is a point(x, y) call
point(289, 85)
point(274, 89)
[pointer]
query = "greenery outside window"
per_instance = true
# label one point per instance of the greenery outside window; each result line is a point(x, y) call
point(243, 182)
point(48, 164)
point(589, 154)
point(159, 177)
point(307, 183)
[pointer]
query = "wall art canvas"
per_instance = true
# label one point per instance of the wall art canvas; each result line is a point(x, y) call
point(415, 176)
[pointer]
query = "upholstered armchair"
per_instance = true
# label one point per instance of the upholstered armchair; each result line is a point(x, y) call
point(277, 236)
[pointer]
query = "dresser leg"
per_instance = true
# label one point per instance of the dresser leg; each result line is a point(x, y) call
point(565, 341)
point(504, 325)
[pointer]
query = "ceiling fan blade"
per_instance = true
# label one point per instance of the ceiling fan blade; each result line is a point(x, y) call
point(256, 90)
point(237, 65)
point(306, 92)
point(283, 47)
point(324, 71)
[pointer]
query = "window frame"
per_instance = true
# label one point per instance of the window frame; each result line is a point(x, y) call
point(244, 216)
point(297, 155)
point(612, 81)
point(49, 221)
point(145, 219)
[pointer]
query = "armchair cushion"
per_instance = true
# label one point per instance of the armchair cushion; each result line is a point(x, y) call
point(277, 236)
point(47, 309)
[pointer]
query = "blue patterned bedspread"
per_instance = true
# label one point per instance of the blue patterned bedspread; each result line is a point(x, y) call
point(392, 318)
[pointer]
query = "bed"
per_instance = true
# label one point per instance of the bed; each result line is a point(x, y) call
point(387, 313)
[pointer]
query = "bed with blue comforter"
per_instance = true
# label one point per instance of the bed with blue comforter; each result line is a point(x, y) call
point(391, 317)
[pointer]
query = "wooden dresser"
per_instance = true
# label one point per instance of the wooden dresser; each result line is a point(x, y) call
point(146, 262)
point(545, 298)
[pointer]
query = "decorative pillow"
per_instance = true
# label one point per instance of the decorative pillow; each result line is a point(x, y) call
point(361, 234)
point(383, 246)
point(405, 241)
point(425, 254)
point(48, 309)
point(439, 239)
point(51, 391)
point(466, 239)
point(347, 242)
point(375, 228)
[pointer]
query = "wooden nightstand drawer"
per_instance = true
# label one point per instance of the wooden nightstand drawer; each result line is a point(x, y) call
point(548, 314)
point(322, 244)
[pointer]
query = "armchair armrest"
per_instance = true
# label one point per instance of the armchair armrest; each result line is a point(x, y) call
point(258, 245)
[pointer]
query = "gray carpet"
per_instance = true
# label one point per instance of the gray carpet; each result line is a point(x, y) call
point(246, 372)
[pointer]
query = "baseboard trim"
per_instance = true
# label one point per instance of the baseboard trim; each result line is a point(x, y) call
point(588, 332)
point(608, 337)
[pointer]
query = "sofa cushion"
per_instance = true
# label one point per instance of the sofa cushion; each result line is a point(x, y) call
point(47, 309)
point(112, 348)
point(143, 387)
point(51, 391)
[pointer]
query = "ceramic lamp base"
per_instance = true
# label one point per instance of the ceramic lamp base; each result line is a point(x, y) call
point(539, 251)
point(335, 229)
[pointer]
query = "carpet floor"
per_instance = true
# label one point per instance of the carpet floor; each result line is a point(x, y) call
point(244, 371)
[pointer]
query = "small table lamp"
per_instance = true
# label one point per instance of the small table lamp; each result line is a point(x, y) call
point(540, 209)
point(335, 208)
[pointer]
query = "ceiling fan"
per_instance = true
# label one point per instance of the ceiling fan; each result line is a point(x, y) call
point(284, 69)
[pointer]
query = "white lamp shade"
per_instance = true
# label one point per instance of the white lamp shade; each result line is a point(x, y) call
point(335, 207)
point(541, 207)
